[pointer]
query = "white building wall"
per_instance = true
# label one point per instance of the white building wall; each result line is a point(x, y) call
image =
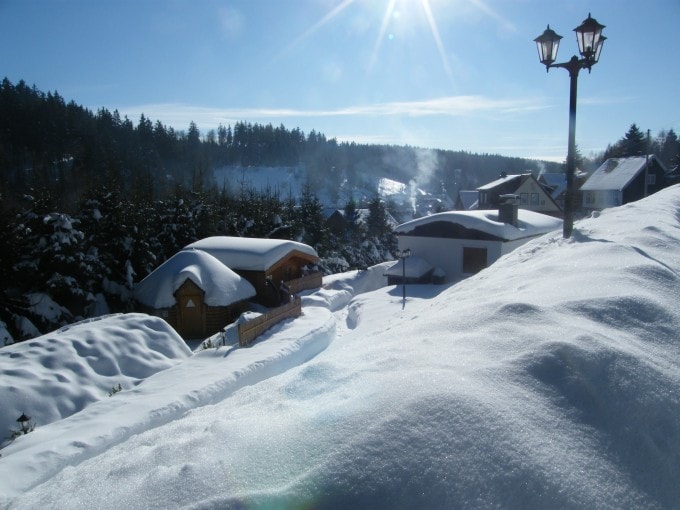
point(447, 254)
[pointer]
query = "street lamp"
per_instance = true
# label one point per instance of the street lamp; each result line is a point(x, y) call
point(590, 40)
point(403, 255)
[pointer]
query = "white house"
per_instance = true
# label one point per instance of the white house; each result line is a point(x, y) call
point(464, 242)
point(621, 180)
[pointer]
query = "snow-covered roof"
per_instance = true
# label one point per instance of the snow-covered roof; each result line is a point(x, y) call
point(529, 223)
point(221, 285)
point(416, 267)
point(616, 173)
point(250, 254)
point(469, 199)
point(558, 183)
point(500, 181)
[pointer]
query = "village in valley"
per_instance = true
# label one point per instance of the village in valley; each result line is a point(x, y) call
point(208, 285)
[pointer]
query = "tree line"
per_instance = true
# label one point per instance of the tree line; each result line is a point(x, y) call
point(60, 267)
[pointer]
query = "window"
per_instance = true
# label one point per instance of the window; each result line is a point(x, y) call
point(474, 260)
point(534, 199)
point(651, 179)
point(524, 198)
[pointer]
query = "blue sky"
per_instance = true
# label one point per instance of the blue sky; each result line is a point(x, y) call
point(449, 74)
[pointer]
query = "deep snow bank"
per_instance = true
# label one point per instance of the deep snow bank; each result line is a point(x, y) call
point(56, 375)
point(201, 380)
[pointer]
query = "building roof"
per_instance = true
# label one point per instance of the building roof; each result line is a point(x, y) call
point(617, 173)
point(503, 180)
point(530, 223)
point(556, 181)
point(250, 254)
point(221, 285)
point(469, 199)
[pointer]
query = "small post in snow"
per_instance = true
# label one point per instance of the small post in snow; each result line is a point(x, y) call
point(403, 255)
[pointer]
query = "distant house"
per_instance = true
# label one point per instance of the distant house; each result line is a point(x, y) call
point(555, 184)
point(621, 180)
point(532, 195)
point(467, 200)
point(462, 243)
point(195, 293)
point(265, 263)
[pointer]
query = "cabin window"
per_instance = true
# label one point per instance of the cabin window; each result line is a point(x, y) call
point(651, 179)
point(474, 259)
point(534, 199)
point(524, 198)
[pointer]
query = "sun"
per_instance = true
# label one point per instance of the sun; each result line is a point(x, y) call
point(393, 9)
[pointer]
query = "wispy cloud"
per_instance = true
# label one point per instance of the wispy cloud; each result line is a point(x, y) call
point(177, 114)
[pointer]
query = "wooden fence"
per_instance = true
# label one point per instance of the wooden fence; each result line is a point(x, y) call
point(250, 330)
point(310, 281)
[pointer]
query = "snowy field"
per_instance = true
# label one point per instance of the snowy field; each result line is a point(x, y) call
point(549, 380)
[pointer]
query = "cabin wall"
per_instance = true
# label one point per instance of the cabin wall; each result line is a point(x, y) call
point(288, 268)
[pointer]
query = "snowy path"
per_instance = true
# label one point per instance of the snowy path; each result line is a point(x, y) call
point(203, 379)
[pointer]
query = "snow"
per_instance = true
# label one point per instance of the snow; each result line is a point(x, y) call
point(529, 223)
point(414, 267)
point(221, 285)
point(249, 254)
point(548, 380)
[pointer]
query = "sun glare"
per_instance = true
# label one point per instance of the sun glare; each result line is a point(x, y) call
point(407, 12)
point(392, 10)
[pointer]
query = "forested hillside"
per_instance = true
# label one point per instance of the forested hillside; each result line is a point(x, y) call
point(91, 202)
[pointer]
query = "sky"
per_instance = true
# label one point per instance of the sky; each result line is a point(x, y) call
point(523, 386)
point(446, 74)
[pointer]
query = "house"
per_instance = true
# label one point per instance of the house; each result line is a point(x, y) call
point(265, 263)
point(555, 184)
point(621, 180)
point(195, 293)
point(532, 195)
point(462, 243)
point(467, 200)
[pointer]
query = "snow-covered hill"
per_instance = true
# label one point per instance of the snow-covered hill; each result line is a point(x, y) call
point(549, 380)
point(408, 199)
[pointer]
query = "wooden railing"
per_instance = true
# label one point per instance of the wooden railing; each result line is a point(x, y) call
point(310, 281)
point(250, 330)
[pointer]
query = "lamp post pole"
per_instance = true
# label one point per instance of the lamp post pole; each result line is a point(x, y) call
point(569, 199)
point(403, 255)
point(590, 40)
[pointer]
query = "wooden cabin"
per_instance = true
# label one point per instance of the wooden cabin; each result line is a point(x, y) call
point(265, 263)
point(195, 293)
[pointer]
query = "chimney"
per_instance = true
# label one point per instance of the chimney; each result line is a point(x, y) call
point(507, 209)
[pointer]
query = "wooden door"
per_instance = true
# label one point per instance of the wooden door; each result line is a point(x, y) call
point(190, 312)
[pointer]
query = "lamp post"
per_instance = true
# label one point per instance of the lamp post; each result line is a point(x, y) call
point(403, 255)
point(590, 40)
